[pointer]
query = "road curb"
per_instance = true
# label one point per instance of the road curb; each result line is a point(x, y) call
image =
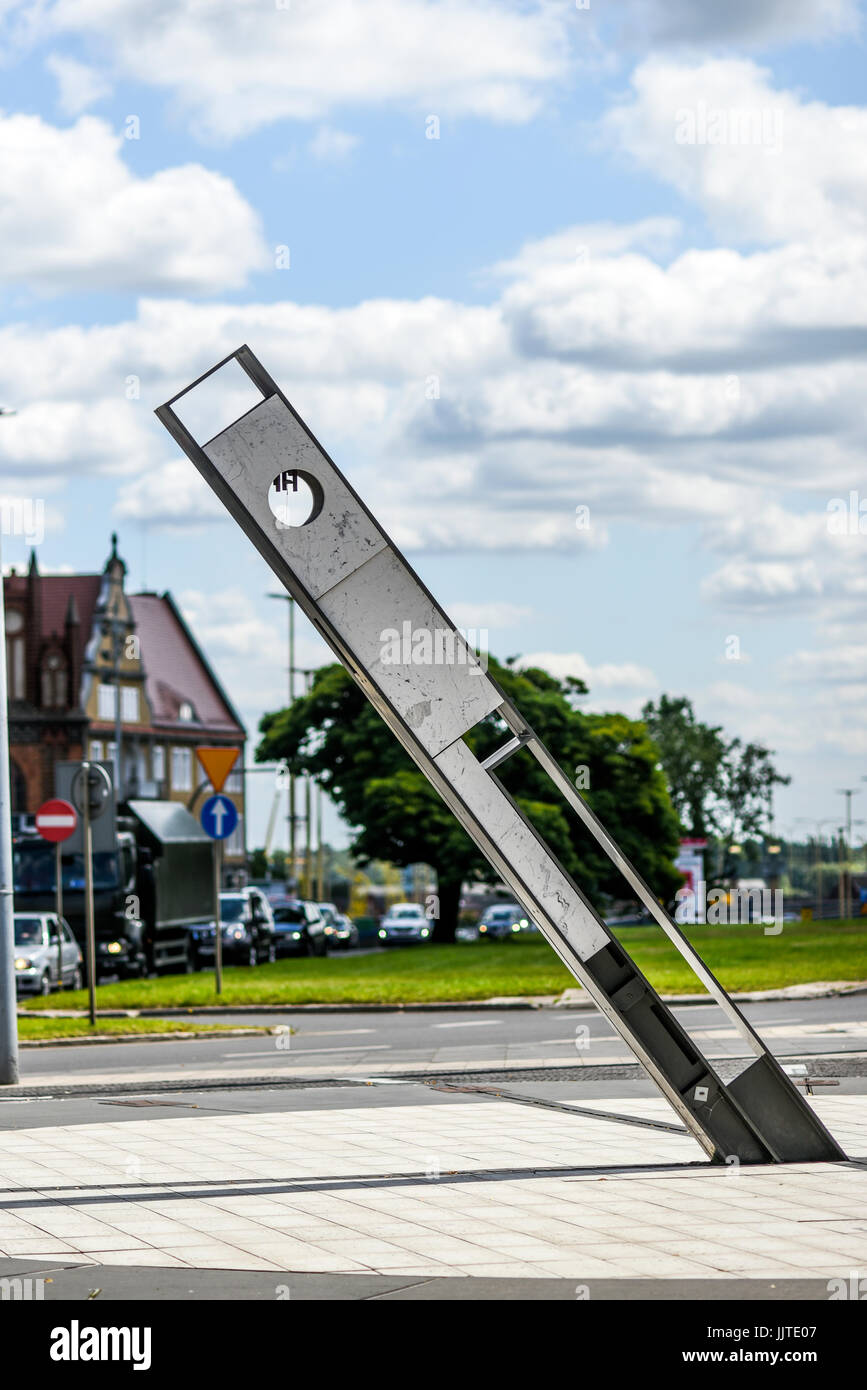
point(87, 1040)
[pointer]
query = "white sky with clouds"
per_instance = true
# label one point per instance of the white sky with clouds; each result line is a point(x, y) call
point(629, 275)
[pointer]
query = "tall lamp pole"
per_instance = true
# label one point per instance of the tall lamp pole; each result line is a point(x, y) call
point(846, 874)
point(287, 598)
point(8, 992)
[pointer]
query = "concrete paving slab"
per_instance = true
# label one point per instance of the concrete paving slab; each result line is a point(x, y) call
point(481, 1185)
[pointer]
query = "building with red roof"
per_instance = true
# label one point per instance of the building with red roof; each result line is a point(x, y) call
point(87, 663)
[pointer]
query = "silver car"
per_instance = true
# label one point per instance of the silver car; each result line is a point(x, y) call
point(47, 955)
point(404, 922)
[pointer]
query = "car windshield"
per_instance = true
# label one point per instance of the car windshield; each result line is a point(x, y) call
point(232, 908)
point(28, 931)
point(289, 914)
point(33, 869)
point(406, 913)
point(501, 914)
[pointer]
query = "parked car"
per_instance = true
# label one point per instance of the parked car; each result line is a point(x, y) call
point(300, 928)
point(467, 932)
point(47, 955)
point(247, 925)
point(348, 937)
point(502, 921)
point(341, 931)
point(404, 923)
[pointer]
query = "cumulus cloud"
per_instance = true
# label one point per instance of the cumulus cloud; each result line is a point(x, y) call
point(764, 165)
point(73, 216)
point(492, 615)
point(78, 85)
point(240, 636)
point(606, 676)
point(740, 22)
point(171, 497)
point(235, 67)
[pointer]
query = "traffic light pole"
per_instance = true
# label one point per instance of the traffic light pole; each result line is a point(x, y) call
point(357, 590)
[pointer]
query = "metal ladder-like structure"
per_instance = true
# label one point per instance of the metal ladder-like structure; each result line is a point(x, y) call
point(356, 588)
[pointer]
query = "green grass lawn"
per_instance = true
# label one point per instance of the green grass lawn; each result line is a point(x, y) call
point(742, 957)
point(30, 1028)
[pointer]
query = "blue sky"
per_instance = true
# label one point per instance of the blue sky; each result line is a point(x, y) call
point(668, 332)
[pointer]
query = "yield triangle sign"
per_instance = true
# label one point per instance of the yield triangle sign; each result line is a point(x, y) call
point(218, 763)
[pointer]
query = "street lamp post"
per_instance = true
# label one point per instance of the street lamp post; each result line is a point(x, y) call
point(8, 990)
point(287, 598)
point(845, 872)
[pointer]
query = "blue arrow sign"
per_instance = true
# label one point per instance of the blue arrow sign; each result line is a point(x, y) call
point(219, 817)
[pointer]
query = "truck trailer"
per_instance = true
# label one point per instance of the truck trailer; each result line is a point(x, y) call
point(152, 881)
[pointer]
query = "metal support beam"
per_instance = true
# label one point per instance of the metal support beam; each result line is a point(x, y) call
point(360, 594)
point(505, 752)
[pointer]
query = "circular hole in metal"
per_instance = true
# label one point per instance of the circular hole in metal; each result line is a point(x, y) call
point(295, 498)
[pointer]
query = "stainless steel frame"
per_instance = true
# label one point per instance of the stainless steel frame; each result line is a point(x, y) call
point(356, 588)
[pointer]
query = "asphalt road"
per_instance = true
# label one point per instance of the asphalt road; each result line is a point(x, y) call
point(362, 1045)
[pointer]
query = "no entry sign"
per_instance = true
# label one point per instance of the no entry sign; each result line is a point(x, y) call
point(56, 820)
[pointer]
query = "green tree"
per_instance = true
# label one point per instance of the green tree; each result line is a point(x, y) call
point(258, 864)
point(692, 757)
point(718, 786)
point(747, 793)
point(334, 733)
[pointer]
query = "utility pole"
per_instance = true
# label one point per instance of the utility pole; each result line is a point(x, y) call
point(8, 991)
point(287, 598)
point(308, 816)
point(8, 988)
point(846, 875)
point(320, 851)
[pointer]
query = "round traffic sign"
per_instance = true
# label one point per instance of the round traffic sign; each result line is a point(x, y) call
point(219, 817)
point(56, 820)
point(98, 789)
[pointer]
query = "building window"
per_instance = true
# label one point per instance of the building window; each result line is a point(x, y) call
point(96, 750)
point(107, 701)
point(129, 704)
point(158, 762)
point(186, 713)
point(234, 843)
point(15, 654)
point(54, 681)
point(182, 770)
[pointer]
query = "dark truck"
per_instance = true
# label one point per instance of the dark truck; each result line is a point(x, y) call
point(152, 880)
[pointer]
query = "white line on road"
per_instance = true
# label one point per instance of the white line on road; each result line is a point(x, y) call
point(472, 1023)
point(335, 1032)
point(309, 1051)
